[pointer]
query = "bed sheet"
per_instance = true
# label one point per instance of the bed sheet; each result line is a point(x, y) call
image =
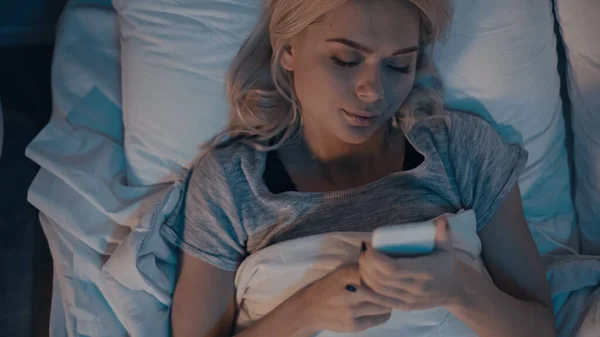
point(579, 27)
point(86, 55)
point(86, 208)
point(87, 212)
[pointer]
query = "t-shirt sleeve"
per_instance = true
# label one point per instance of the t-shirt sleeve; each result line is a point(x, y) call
point(487, 168)
point(212, 228)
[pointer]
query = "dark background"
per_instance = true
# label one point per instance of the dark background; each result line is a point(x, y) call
point(27, 30)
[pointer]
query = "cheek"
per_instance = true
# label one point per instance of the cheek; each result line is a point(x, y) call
point(319, 86)
point(400, 89)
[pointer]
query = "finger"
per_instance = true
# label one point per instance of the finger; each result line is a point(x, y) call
point(405, 302)
point(400, 289)
point(399, 299)
point(366, 322)
point(369, 295)
point(395, 288)
point(369, 309)
point(396, 297)
point(374, 279)
point(443, 234)
point(381, 262)
point(417, 268)
point(412, 286)
point(401, 268)
point(407, 306)
point(366, 267)
point(371, 275)
point(392, 292)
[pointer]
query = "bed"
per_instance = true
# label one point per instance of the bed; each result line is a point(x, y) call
point(111, 160)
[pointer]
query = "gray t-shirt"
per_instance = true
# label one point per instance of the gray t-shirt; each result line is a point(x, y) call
point(230, 213)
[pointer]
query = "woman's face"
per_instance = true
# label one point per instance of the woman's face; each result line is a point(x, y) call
point(354, 68)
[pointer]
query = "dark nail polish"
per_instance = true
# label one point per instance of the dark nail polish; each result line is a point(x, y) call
point(351, 288)
point(363, 247)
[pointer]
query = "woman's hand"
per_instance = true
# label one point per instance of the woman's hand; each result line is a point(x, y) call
point(338, 303)
point(416, 283)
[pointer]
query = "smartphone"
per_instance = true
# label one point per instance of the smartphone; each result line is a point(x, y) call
point(406, 240)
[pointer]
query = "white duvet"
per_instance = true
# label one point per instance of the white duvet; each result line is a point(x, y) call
point(269, 277)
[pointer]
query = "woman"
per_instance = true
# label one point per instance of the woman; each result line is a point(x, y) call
point(338, 125)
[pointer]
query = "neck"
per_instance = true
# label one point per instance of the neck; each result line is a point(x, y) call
point(322, 162)
point(326, 148)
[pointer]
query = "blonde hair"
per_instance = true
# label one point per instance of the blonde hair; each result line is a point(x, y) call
point(264, 106)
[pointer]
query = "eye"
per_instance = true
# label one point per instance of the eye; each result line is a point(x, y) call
point(344, 64)
point(404, 70)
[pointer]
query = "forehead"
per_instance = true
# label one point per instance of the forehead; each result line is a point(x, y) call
point(375, 23)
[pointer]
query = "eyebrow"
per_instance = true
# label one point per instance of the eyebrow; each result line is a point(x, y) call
point(367, 50)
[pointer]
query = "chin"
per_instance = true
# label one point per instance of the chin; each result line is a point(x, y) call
point(357, 136)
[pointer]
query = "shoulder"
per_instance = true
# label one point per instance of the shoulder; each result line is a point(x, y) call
point(229, 163)
point(454, 127)
point(464, 141)
point(461, 121)
point(451, 121)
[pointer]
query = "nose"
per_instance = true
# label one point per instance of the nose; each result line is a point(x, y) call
point(369, 87)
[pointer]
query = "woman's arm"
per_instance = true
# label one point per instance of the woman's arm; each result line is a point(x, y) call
point(204, 306)
point(519, 303)
point(203, 302)
point(288, 319)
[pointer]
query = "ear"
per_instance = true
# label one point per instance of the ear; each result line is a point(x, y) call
point(287, 58)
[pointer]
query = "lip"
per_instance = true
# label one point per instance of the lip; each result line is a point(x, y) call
point(361, 113)
point(362, 119)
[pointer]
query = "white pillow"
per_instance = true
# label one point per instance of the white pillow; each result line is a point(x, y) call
point(175, 56)
point(580, 27)
point(500, 62)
